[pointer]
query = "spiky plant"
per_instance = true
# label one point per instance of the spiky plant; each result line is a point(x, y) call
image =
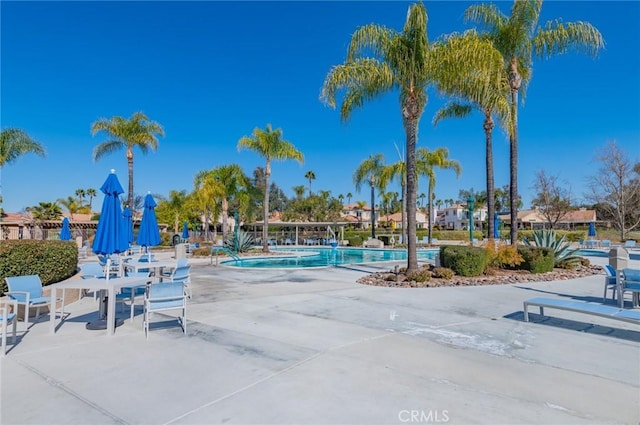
point(562, 251)
point(244, 242)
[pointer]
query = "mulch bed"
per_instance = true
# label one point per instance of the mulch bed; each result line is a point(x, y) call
point(497, 277)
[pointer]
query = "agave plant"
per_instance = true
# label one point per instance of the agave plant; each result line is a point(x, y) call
point(562, 251)
point(244, 242)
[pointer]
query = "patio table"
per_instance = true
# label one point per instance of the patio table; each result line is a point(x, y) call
point(156, 266)
point(112, 286)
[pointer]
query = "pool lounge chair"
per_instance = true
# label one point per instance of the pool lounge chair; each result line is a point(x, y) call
point(27, 290)
point(8, 318)
point(629, 282)
point(610, 282)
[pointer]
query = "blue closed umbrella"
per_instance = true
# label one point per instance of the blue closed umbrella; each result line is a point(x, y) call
point(592, 230)
point(110, 235)
point(65, 233)
point(185, 230)
point(149, 234)
point(496, 222)
point(128, 224)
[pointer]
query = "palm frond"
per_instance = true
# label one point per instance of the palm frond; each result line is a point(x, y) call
point(452, 110)
point(558, 38)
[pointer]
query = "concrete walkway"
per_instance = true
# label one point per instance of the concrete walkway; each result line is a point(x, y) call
point(314, 347)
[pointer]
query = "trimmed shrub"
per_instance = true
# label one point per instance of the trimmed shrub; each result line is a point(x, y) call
point(536, 260)
point(421, 275)
point(53, 261)
point(443, 273)
point(201, 252)
point(464, 260)
point(355, 240)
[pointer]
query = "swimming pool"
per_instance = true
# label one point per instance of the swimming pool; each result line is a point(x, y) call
point(325, 257)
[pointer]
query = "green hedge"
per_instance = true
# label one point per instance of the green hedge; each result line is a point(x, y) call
point(570, 235)
point(464, 260)
point(53, 261)
point(536, 260)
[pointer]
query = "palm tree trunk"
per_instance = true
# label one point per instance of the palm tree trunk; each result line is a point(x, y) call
point(265, 208)
point(514, 82)
point(488, 129)
point(130, 165)
point(403, 213)
point(373, 210)
point(225, 211)
point(430, 206)
point(412, 256)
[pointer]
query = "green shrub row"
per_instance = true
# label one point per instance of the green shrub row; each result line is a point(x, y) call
point(464, 260)
point(53, 261)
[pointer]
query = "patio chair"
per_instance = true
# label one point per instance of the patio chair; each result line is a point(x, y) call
point(7, 319)
point(181, 275)
point(27, 290)
point(630, 244)
point(130, 293)
point(629, 282)
point(91, 270)
point(162, 297)
point(182, 262)
point(610, 282)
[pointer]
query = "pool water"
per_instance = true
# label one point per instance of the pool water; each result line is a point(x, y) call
point(325, 257)
point(592, 253)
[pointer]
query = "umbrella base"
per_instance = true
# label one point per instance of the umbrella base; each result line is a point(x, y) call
point(100, 325)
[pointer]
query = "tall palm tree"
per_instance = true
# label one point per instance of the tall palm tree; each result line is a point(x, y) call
point(519, 38)
point(204, 199)
point(310, 175)
point(270, 145)
point(341, 198)
point(489, 94)
point(91, 193)
point(81, 193)
point(426, 163)
point(15, 143)
point(349, 196)
point(380, 59)
point(370, 170)
point(137, 131)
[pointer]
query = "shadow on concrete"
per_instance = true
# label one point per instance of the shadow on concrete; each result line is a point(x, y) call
point(590, 328)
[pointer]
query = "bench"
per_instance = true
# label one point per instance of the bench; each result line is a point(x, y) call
point(610, 312)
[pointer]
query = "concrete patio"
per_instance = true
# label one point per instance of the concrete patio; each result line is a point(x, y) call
point(314, 347)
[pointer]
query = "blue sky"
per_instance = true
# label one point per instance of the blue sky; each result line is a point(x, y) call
point(210, 72)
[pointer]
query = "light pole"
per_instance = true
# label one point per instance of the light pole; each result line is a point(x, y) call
point(470, 204)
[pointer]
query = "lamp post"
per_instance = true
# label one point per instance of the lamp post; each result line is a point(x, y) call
point(470, 204)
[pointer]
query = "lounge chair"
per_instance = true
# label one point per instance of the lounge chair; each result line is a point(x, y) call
point(130, 293)
point(27, 290)
point(181, 274)
point(8, 318)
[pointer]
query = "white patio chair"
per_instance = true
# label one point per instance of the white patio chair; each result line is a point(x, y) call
point(27, 291)
point(6, 319)
point(162, 297)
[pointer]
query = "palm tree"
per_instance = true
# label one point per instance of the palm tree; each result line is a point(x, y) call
point(489, 94)
point(127, 133)
point(71, 204)
point(224, 183)
point(269, 144)
point(349, 196)
point(81, 193)
point(421, 199)
point(91, 193)
point(176, 202)
point(341, 198)
point(299, 191)
point(203, 200)
point(380, 59)
point(310, 175)
point(13, 144)
point(426, 162)
point(438, 203)
point(518, 38)
point(45, 211)
point(370, 170)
